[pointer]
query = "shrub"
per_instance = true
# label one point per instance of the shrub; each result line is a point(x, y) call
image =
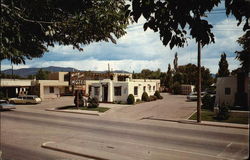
point(152, 98)
point(131, 99)
point(158, 95)
point(176, 88)
point(138, 101)
point(223, 113)
point(208, 102)
point(145, 97)
point(93, 102)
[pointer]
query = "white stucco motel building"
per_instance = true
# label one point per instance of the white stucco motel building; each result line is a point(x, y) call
point(108, 90)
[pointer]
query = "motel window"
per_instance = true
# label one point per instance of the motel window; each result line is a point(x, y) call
point(227, 91)
point(149, 87)
point(153, 88)
point(144, 88)
point(135, 91)
point(96, 90)
point(51, 89)
point(118, 91)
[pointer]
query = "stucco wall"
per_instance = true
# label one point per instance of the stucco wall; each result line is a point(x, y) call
point(57, 76)
point(221, 84)
point(124, 91)
point(47, 93)
point(141, 84)
point(127, 87)
point(15, 83)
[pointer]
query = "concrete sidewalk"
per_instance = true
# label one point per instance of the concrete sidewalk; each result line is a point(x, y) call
point(207, 123)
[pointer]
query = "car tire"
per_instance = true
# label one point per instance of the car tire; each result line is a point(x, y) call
point(12, 102)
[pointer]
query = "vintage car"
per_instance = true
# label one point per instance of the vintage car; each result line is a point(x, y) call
point(28, 99)
point(193, 96)
point(4, 105)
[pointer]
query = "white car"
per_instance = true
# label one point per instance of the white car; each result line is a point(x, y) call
point(193, 96)
point(4, 105)
point(28, 99)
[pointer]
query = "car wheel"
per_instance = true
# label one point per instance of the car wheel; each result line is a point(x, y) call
point(12, 102)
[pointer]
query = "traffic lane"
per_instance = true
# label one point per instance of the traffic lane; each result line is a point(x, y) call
point(192, 143)
point(171, 128)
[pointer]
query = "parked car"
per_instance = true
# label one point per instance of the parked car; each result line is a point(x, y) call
point(193, 96)
point(4, 105)
point(28, 99)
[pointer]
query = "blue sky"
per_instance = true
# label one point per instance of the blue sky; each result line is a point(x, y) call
point(139, 50)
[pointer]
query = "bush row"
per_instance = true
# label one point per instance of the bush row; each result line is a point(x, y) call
point(145, 97)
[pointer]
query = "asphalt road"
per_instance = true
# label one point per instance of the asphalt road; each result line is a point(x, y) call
point(23, 132)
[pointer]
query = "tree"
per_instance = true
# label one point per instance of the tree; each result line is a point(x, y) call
point(178, 77)
point(223, 66)
point(42, 75)
point(171, 18)
point(187, 75)
point(31, 76)
point(176, 88)
point(29, 27)
point(244, 55)
point(175, 62)
point(169, 77)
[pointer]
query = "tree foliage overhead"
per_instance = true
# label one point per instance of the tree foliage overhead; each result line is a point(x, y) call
point(241, 10)
point(29, 27)
point(223, 66)
point(244, 55)
point(172, 18)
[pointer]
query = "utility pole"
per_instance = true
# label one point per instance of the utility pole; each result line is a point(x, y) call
point(199, 84)
point(12, 73)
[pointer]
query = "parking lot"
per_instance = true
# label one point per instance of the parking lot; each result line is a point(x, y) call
point(170, 107)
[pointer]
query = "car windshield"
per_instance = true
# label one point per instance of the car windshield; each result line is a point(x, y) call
point(32, 96)
point(3, 101)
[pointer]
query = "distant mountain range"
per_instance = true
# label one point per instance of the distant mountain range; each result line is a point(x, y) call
point(25, 72)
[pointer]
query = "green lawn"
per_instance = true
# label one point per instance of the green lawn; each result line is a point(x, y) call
point(99, 109)
point(207, 115)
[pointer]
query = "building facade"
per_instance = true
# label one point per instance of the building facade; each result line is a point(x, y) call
point(108, 90)
point(233, 91)
point(43, 88)
point(15, 87)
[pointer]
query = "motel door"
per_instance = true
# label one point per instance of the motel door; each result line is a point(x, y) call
point(105, 93)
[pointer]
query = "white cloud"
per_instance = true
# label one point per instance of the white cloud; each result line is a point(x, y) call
point(9, 66)
point(138, 50)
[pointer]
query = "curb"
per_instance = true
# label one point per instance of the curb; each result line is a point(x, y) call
point(44, 145)
point(64, 111)
point(160, 119)
point(195, 123)
point(214, 125)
